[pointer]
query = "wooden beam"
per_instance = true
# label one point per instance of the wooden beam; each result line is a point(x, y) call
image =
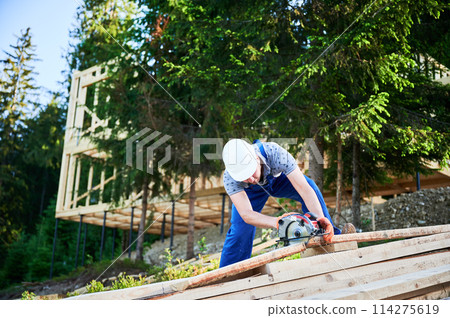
point(69, 181)
point(100, 186)
point(62, 182)
point(335, 280)
point(239, 267)
point(390, 287)
point(77, 182)
point(321, 264)
point(359, 257)
point(140, 292)
point(436, 292)
point(89, 186)
point(382, 235)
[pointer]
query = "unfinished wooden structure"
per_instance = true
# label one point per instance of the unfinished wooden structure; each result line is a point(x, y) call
point(83, 182)
point(415, 267)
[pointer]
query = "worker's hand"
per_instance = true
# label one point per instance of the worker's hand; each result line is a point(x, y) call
point(328, 227)
point(283, 216)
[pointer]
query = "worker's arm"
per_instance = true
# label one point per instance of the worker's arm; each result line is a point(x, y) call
point(244, 207)
point(307, 193)
point(312, 202)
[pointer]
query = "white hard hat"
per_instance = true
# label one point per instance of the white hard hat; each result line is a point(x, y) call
point(240, 159)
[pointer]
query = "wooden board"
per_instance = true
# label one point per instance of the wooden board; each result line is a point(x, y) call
point(294, 269)
point(139, 292)
point(383, 235)
point(353, 277)
point(284, 271)
point(390, 287)
point(325, 263)
point(239, 267)
point(332, 248)
point(439, 291)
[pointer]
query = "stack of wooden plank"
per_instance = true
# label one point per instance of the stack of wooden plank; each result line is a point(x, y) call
point(417, 266)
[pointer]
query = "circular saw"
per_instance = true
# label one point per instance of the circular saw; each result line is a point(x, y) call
point(298, 228)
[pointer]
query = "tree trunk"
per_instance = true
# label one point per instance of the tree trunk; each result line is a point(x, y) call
point(356, 196)
point(315, 167)
point(190, 236)
point(140, 240)
point(340, 172)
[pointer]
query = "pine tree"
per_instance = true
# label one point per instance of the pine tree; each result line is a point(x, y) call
point(16, 91)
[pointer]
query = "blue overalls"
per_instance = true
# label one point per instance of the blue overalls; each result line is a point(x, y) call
point(239, 241)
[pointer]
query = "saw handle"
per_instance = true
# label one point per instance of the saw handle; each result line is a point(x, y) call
point(311, 216)
point(328, 227)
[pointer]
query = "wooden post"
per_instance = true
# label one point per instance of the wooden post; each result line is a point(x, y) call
point(102, 186)
point(70, 179)
point(62, 182)
point(77, 182)
point(89, 186)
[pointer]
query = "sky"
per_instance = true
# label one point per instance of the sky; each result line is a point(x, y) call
point(50, 22)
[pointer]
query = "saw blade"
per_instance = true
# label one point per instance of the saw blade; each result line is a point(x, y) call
point(295, 229)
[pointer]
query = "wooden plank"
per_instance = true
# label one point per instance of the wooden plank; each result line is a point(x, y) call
point(62, 181)
point(344, 278)
point(332, 248)
point(382, 235)
point(69, 182)
point(102, 185)
point(325, 263)
point(429, 293)
point(322, 264)
point(264, 245)
point(390, 287)
point(140, 292)
point(239, 267)
point(310, 251)
point(77, 182)
point(89, 186)
point(440, 291)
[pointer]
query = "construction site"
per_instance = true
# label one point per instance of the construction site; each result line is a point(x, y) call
point(281, 150)
point(415, 267)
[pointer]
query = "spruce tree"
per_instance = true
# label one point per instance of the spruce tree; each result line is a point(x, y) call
point(17, 87)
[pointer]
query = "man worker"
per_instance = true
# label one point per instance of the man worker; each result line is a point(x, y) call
point(252, 174)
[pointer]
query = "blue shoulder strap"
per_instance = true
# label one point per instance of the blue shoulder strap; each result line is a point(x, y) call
point(261, 148)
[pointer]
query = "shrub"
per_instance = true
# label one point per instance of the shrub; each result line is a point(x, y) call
point(184, 270)
point(126, 281)
point(94, 287)
point(26, 295)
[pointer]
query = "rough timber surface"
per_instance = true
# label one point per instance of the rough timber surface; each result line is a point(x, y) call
point(277, 279)
point(390, 287)
point(280, 272)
